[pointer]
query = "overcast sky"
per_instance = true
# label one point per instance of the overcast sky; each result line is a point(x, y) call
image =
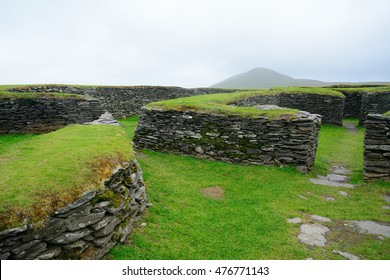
point(191, 43)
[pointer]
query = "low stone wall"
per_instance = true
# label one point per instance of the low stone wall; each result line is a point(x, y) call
point(353, 103)
point(124, 102)
point(231, 138)
point(374, 103)
point(377, 148)
point(87, 228)
point(329, 107)
point(272, 99)
point(39, 115)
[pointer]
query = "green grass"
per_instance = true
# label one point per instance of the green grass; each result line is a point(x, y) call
point(338, 145)
point(45, 172)
point(363, 89)
point(218, 103)
point(250, 222)
point(309, 90)
point(387, 114)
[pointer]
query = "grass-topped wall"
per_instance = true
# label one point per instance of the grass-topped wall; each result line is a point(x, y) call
point(121, 101)
point(33, 112)
point(207, 126)
point(72, 193)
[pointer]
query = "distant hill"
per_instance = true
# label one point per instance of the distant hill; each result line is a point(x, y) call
point(264, 78)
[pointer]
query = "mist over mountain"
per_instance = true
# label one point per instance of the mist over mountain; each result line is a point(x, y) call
point(264, 78)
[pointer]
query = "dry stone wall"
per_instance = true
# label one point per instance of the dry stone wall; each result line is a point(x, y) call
point(374, 103)
point(39, 115)
point(353, 103)
point(231, 138)
point(124, 102)
point(329, 107)
point(377, 148)
point(87, 228)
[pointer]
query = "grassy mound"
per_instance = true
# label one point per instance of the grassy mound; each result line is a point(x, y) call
point(42, 173)
point(219, 103)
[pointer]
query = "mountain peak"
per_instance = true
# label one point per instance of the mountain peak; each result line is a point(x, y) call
point(261, 77)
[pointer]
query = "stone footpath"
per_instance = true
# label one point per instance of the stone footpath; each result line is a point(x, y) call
point(314, 229)
point(337, 178)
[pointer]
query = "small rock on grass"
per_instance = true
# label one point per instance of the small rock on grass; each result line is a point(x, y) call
point(343, 193)
point(294, 221)
point(320, 218)
point(346, 255)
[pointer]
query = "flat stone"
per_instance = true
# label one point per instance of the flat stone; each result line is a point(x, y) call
point(294, 221)
point(371, 227)
point(331, 184)
point(313, 234)
point(102, 252)
point(13, 231)
point(88, 196)
point(387, 207)
point(303, 197)
point(102, 223)
point(343, 193)
point(340, 170)
point(329, 198)
point(108, 229)
point(346, 255)
point(85, 221)
point(320, 218)
point(337, 178)
point(70, 237)
point(50, 253)
point(387, 198)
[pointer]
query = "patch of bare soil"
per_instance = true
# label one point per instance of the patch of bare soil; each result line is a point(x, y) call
point(214, 192)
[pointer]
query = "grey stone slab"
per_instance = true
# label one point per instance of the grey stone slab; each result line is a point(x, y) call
point(337, 178)
point(320, 218)
point(50, 253)
point(85, 221)
point(331, 184)
point(371, 227)
point(343, 193)
point(313, 234)
point(387, 198)
point(13, 231)
point(294, 221)
point(346, 255)
point(70, 237)
point(340, 170)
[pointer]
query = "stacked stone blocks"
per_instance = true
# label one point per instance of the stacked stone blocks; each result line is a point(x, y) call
point(377, 148)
